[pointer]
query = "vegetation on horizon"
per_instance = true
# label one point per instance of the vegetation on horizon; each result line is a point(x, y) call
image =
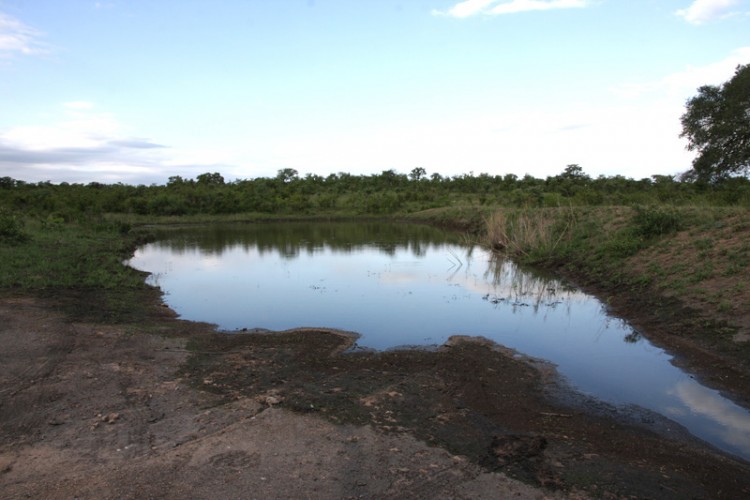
point(386, 193)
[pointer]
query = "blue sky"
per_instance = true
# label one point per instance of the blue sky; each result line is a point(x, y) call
point(137, 91)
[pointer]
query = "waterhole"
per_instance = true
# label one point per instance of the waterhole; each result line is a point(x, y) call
point(400, 285)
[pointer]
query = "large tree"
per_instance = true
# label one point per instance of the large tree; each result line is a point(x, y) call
point(717, 126)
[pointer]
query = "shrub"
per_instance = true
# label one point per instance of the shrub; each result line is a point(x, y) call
point(652, 222)
point(11, 228)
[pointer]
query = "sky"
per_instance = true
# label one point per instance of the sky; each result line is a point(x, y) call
point(138, 91)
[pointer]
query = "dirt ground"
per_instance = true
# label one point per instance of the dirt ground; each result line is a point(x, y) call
point(172, 409)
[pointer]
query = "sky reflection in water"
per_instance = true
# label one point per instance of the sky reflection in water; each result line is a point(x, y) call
point(402, 285)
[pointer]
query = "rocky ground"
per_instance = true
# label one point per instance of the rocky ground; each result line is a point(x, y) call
point(171, 409)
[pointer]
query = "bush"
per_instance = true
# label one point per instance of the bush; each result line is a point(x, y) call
point(11, 228)
point(652, 222)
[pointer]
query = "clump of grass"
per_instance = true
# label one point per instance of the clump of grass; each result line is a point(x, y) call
point(528, 233)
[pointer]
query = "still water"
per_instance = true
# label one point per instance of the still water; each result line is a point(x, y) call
point(408, 285)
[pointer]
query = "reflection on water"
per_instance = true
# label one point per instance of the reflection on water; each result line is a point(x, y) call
point(733, 422)
point(400, 285)
point(292, 239)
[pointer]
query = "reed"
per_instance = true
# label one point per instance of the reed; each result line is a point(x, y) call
point(528, 233)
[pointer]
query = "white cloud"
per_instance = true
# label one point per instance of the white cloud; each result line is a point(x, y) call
point(86, 146)
point(702, 11)
point(635, 141)
point(81, 130)
point(466, 8)
point(733, 421)
point(17, 38)
point(469, 8)
point(526, 5)
point(634, 133)
point(685, 83)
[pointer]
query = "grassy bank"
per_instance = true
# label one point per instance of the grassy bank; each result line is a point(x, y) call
point(699, 257)
point(695, 260)
point(78, 263)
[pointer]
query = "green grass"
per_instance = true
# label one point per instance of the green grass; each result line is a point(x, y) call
point(86, 254)
point(686, 264)
point(79, 266)
point(601, 241)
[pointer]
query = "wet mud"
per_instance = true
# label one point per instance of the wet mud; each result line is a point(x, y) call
point(165, 408)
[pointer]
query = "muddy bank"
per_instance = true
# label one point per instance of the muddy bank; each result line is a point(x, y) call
point(707, 348)
point(165, 408)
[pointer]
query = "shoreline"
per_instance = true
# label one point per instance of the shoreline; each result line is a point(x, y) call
point(140, 406)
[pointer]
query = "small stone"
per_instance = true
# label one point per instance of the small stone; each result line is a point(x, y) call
point(111, 418)
point(270, 399)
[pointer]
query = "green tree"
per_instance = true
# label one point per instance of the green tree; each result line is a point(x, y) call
point(417, 173)
point(574, 172)
point(717, 125)
point(570, 181)
point(211, 179)
point(176, 180)
point(389, 178)
point(287, 175)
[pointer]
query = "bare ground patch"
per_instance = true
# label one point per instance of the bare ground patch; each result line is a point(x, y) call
point(171, 409)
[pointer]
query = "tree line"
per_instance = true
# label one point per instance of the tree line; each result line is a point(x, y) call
point(716, 124)
point(386, 193)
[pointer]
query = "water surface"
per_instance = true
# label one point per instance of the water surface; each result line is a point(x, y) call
point(407, 285)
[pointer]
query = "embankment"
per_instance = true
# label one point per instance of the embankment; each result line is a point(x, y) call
point(678, 274)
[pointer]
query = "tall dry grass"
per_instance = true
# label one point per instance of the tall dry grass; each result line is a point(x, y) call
point(524, 232)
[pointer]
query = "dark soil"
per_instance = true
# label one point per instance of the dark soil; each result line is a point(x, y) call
point(147, 406)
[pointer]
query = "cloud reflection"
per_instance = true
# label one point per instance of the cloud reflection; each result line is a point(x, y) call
point(734, 420)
